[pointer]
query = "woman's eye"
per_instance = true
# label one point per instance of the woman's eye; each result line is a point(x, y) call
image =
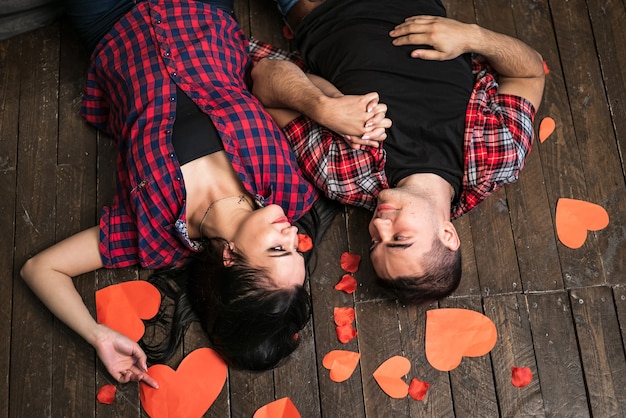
point(277, 248)
point(373, 245)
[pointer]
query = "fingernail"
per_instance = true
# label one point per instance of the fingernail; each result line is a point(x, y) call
point(365, 137)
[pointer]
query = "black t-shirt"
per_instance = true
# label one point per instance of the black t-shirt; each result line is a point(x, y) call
point(348, 43)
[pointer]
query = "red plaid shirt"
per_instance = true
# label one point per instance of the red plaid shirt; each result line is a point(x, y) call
point(498, 136)
point(131, 95)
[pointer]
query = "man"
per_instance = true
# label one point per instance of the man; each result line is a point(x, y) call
point(462, 100)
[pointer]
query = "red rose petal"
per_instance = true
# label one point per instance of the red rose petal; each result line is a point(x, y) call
point(106, 394)
point(521, 376)
point(418, 389)
point(350, 262)
point(304, 243)
point(345, 333)
point(546, 70)
point(344, 316)
point(347, 284)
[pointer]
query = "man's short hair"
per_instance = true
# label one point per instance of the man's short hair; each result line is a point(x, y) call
point(442, 276)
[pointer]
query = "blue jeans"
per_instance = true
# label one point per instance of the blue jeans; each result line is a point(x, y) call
point(92, 19)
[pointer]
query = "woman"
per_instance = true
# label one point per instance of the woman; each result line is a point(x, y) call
point(203, 175)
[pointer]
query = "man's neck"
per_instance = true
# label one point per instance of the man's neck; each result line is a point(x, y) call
point(432, 187)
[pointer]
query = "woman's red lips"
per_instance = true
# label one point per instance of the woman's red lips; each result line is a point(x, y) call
point(281, 220)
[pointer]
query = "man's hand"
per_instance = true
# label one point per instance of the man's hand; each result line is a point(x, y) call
point(122, 357)
point(449, 38)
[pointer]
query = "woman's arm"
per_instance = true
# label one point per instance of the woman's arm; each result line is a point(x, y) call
point(519, 66)
point(49, 274)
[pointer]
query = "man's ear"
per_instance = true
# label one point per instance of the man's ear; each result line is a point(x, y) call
point(449, 236)
point(227, 254)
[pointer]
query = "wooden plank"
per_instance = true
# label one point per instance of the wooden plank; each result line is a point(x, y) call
point(607, 18)
point(619, 295)
point(472, 382)
point(438, 401)
point(249, 391)
point(558, 361)
point(76, 197)
point(9, 119)
point(31, 377)
point(528, 198)
point(607, 134)
point(337, 399)
point(514, 348)
point(601, 350)
point(379, 339)
point(469, 285)
point(560, 155)
point(266, 23)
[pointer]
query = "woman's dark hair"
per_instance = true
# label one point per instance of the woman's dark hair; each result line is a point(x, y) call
point(251, 322)
point(443, 270)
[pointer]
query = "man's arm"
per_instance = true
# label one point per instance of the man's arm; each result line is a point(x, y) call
point(49, 274)
point(280, 84)
point(520, 67)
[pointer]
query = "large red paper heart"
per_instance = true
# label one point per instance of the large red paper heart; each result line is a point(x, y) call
point(389, 376)
point(187, 392)
point(575, 217)
point(341, 364)
point(281, 408)
point(123, 306)
point(452, 334)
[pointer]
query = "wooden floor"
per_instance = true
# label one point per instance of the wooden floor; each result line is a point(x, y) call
point(559, 311)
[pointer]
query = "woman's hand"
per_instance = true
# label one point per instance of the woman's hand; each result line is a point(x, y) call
point(122, 357)
point(361, 120)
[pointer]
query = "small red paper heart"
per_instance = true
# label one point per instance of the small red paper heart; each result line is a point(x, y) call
point(345, 333)
point(389, 376)
point(106, 394)
point(452, 334)
point(305, 243)
point(418, 389)
point(123, 306)
point(343, 316)
point(341, 364)
point(575, 217)
point(281, 408)
point(521, 376)
point(350, 262)
point(546, 128)
point(346, 284)
point(187, 392)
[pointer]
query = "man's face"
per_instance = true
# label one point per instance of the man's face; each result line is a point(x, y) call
point(402, 229)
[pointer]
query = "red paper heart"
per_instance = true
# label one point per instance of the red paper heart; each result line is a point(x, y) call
point(341, 364)
point(305, 243)
point(345, 333)
point(389, 376)
point(418, 389)
point(123, 306)
point(452, 334)
point(187, 392)
point(281, 408)
point(575, 217)
point(546, 128)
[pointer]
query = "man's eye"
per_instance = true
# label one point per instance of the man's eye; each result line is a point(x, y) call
point(277, 248)
point(399, 238)
point(373, 245)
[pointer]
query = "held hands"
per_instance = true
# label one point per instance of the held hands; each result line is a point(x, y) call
point(359, 119)
point(122, 357)
point(449, 38)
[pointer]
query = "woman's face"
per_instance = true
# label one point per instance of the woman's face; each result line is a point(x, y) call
point(268, 240)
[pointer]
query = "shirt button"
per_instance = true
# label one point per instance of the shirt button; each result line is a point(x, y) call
point(171, 155)
point(166, 54)
point(177, 178)
point(168, 131)
point(172, 98)
point(158, 21)
point(174, 74)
